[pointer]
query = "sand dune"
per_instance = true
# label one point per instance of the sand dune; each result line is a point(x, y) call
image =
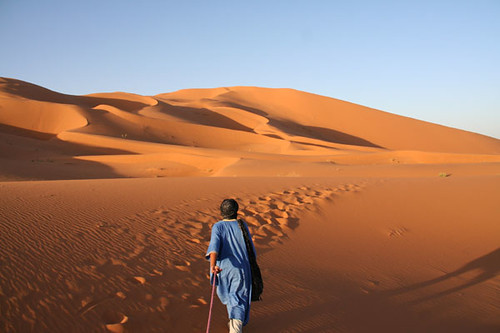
point(248, 125)
point(39, 116)
point(364, 221)
point(337, 121)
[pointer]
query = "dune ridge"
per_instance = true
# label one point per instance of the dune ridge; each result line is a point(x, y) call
point(244, 126)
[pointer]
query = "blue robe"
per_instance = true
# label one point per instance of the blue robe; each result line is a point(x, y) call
point(234, 282)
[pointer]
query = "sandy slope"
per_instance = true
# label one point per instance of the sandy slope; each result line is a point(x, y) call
point(418, 255)
point(234, 131)
point(364, 221)
point(338, 254)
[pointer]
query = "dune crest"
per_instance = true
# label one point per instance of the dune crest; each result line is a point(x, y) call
point(231, 131)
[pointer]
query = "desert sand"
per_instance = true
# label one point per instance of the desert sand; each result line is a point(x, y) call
point(364, 221)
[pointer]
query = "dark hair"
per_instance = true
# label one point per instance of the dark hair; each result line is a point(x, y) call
point(229, 209)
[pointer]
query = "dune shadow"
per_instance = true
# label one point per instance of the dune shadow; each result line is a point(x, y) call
point(292, 128)
point(18, 131)
point(41, 156)
point(48, 169)
point(202, 116)
point(322, 133)
point(34, 92)
point(487, 265)
point(234, 105)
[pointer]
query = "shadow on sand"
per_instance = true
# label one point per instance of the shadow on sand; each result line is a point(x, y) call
point(487, 265)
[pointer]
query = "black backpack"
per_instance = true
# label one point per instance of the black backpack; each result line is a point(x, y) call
point(257, 283)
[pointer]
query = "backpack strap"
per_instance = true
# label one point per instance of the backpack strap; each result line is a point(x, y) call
point(246, 236)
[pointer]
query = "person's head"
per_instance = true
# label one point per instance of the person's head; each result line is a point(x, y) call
point(229, 209)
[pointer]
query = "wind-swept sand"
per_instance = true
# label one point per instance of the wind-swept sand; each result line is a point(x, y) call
point(364, 221)
point(239, 131)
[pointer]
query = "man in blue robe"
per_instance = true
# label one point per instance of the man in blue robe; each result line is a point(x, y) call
point(228, 257)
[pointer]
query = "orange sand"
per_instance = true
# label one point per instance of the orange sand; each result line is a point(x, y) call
point(364, 221)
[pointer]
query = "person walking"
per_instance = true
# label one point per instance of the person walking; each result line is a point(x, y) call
point(230, 265)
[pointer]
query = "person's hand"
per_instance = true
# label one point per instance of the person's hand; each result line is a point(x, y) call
point(216, 270)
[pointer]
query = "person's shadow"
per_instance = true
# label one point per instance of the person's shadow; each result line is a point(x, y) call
point(488, 265)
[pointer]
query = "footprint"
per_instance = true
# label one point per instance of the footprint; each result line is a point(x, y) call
point(114, 321)
point(254, 220)
point(397, 232)
point(282, 221)
point(197, 225)
point(122, 230)
point(89, 304)
point(280, 205)
point(307, 200)
point(121, 295)
point(291, 200)
point(259, 208)
point(137, 251)
point(279, 214)
point(139, 279)
point(141, 238)
point(164, 302)
point(160, 211)
point(117, 262)
point(182, 265)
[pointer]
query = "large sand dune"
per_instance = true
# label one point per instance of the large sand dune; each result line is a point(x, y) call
point(364, 221)
point(239, 131)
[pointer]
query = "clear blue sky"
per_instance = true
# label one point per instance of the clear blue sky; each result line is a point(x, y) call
point(437, 61)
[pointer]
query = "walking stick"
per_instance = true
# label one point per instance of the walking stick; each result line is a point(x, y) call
point(211, 304)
